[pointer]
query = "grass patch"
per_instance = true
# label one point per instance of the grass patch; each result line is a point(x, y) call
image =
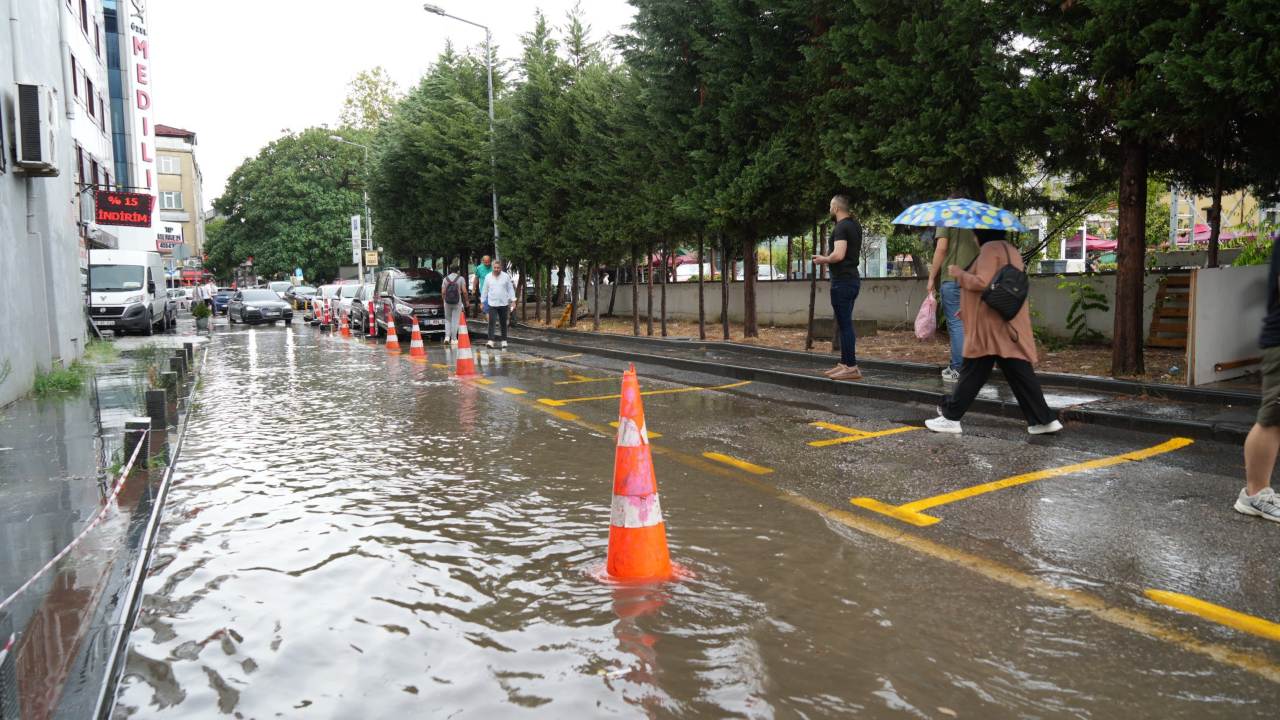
point(100, 352)
point(61, 380)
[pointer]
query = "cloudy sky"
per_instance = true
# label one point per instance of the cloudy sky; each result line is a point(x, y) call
point(238, 72)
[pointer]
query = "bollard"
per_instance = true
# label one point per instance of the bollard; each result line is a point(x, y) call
point(157, 411)
point(136, 431)
point(178, 364)
point(190, 350)
point(172, 387)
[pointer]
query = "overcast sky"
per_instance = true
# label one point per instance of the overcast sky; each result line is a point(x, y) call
point(238, 72)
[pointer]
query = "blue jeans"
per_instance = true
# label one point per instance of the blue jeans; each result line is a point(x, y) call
point(843, 294)
point(949, 295)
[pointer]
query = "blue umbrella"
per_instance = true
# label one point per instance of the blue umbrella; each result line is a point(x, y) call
point(959, 213)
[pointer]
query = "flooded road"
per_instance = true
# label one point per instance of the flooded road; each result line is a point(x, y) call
point(352, 534)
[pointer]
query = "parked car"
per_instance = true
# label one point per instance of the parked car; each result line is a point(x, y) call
point(299, 296)
point(323, 300)
point(360, 305)
point(410, 296)
point(346, 293)
point(279, 287)
point(221, 298)
point(257, 305)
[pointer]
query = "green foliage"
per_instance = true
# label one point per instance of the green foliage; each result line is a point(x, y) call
point(1084, 298)
point(290, 206)
point(200, 310)
point(64, 380)
point(100, 351)
point(371, 97)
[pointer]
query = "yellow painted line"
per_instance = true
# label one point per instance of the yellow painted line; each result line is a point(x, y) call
point(652, 435)
point(558, 403)
point(440, 366)
point(911, 512)
point(483, 381)
point(578, 380)
point(1074, 599)
point(1218, 614)
point(740, 464)
point(568, 357)
point(838, 428)
point(514, 391)
point(862, 436)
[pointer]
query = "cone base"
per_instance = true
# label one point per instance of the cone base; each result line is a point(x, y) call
point(639, 553)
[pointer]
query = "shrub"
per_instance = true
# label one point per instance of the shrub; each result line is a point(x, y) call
point(69, 379)
point(200, 310)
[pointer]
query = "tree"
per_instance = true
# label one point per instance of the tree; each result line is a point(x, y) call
point(290, 205)
point(219, 251)
point(371, 99)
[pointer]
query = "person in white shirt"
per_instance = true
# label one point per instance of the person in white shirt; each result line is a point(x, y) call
point(499, 294)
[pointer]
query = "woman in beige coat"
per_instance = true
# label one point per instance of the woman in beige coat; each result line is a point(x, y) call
point(990, 340)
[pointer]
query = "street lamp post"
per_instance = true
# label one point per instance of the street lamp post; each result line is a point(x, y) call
point(368, 219)
point(493, 157)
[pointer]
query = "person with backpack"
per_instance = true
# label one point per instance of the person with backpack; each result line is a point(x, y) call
point(454, 291)
point(997, 332)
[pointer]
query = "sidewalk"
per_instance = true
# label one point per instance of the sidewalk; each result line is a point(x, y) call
point(1224, 415)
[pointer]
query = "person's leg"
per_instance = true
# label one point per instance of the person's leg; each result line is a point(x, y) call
point(1026, 388)
point(974, 373)
point(504, 314)
point(842, 296)
point(493, 320)
point(949, 294)
point(853, 331)
point(1260, 450)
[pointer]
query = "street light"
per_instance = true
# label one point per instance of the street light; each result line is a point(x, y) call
point(368, 219)
point(488, 60)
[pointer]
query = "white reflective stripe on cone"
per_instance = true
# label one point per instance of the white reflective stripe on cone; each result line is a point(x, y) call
point(631, 436)
point(636, 511)
point(464, 354)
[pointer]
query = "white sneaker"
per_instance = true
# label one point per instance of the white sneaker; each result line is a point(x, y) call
point(445, 341)
point(1048, 429)
point(504, 344)
point(1266, 504)
point(942, 425)
point(490, 344)
point(949, 375)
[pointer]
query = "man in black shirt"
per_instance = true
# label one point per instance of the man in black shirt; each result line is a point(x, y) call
point(846, 249)
point(1263, 443)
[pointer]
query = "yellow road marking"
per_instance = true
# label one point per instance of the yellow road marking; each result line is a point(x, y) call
point(652, 435)
point(568, 357)
point(578, 380)
point(514, 391)
point(440, 366)
point(1216, 613)
point(740, 464)
point(853, 434)
point(483, 381)
point(911, 512)
point(558, 403)
point(1079, 600)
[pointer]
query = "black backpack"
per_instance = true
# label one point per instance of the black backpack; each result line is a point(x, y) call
point(451, 294)
point(1007, 292)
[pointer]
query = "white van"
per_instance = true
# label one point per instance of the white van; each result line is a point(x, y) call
point(127, 291)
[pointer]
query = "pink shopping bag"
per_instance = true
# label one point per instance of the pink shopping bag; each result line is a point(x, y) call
point(927, 318)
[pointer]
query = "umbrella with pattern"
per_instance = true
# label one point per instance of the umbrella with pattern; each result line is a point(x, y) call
point(959, 213)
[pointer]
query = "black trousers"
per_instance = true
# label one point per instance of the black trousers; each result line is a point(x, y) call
point(975, 372)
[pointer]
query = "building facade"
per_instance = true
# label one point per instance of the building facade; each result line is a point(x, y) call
point(42, 237)
point(181, 198)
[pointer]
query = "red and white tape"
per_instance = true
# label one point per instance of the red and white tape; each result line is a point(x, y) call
point(124, 474)
point(4, 651)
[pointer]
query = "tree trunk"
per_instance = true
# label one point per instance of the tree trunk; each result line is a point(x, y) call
point(551, 298)
point(524, 296)
point(726, 272)
point(559, 296)
point(1215, 210)
point(750, 266)
point(1131, 246)
point(787, 274)
point(613, 289)
point(813, 292)
point(666, 255)
point(635, 292)
point(648, 277)
point(595, 301)
point(702, 308)
point(574, 289)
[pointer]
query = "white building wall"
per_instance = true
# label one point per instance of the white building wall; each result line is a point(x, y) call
point(41, 307)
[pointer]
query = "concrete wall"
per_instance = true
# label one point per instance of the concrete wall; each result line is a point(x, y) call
point(888, 301)
point(1227, 309)
point(41, 306)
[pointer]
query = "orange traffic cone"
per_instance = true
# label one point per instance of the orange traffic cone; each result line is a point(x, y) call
point(466, 360)
point(416, 348)
point(346, 325)
point(371, 322)
point(393, 340)
point(637, 534)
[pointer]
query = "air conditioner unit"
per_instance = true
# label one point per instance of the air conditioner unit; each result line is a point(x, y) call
point(37, 136)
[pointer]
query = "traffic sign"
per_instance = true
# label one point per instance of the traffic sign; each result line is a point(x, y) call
point(297, 272)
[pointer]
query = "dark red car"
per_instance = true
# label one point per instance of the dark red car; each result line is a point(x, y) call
point(410, 296)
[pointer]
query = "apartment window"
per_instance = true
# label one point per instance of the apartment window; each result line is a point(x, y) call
point(169, 165)
point(93, 170)
point(106, 179)
point(97, 39)
point(170, 200)
point(102, 114)
point(89, 95)
point(79, 164)
point(84, 16)
point(75, 78)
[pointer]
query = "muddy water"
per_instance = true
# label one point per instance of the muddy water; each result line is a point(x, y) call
point(353, 535)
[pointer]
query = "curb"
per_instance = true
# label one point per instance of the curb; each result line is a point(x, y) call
point(1221, 432)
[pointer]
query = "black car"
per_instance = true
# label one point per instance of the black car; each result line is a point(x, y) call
point(299, 296)
point(360, 305)
point(258, 305)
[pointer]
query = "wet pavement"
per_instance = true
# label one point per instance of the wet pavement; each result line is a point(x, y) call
point(355, 534)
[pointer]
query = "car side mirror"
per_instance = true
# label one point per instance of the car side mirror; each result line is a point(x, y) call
point(151, 287)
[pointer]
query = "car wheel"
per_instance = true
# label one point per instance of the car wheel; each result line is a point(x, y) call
point(288, 322)
point(151, 325)
point(231, 319)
